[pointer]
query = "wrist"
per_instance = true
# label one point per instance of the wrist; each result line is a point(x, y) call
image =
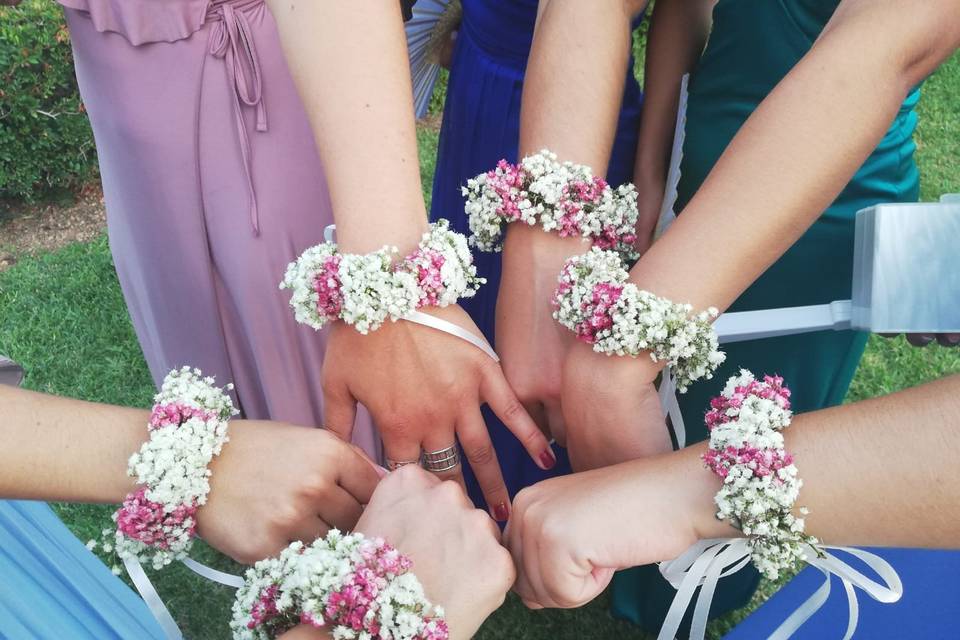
point(697, 488)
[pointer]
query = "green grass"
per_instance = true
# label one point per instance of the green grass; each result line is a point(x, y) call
point(63, 317)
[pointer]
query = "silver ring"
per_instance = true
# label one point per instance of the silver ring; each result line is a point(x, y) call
point(446, 459)
point(393, 465)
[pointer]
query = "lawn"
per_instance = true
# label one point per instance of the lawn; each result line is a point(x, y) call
point(63, 317)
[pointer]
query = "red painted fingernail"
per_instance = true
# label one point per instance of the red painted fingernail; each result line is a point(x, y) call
point(547, 459)
point(501, 513)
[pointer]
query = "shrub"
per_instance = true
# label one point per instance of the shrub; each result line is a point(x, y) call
point(45, 140)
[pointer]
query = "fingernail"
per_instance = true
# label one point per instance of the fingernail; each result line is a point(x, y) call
point(547, 459)
point(501, 513)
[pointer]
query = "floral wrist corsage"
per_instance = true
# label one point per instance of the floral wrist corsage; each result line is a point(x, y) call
point(760, 482)
point(562, 197)
point(188, 427)
point(595, 300)
point(355, 587)
point(366, 290)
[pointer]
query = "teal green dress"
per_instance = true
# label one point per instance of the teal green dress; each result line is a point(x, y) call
point(753, 45)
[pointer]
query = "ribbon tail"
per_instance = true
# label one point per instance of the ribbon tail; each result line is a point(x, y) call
point(220, 577)
point(152, 599)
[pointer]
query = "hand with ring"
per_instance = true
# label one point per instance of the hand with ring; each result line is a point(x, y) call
point(424, 389)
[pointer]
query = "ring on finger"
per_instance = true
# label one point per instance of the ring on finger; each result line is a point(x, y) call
point(393, 465)
point(446, 459)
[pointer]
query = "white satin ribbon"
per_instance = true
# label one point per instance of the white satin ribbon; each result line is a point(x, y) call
point(155, 603)
point(706, 562)
point(152, 599)
point(440, 324)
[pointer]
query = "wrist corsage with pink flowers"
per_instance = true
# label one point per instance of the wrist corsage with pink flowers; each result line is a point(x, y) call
point(596, 301)
point(354, 587)
point(559, 196)
point(366, 290)
point(760, 481)
point(157, 523)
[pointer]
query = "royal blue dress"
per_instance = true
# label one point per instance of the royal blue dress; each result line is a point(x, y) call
point(481, 124)
point(52, 588)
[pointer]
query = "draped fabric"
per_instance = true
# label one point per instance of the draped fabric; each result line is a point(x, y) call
point(212, 185)
point(52, 587)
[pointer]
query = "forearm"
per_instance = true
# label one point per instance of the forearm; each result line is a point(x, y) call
point(880, 472)
point(349, 62)
point(798, 149)
point(572, 94)
point(574, 82)
point(678, 33)
point(62, 449)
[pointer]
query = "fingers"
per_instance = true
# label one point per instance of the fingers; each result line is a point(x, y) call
point(357, 474)
point(400, 450)
point(340, 509)
point(558, 428)
point(403, 482)
point(308, 529)
point(443, 450)
point(475, 440)
point(498, 394)
point(339, 410)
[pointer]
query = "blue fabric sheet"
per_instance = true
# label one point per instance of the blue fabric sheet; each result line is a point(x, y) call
point(928, 610)
point(53, 588)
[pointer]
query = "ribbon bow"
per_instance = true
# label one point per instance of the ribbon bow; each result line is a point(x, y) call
point(703, 564)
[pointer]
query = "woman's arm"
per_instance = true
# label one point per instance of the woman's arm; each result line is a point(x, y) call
point(63, 449)
point(272, 483)
point(575, 74)
point(783, 168)
point(423, 388)
point(678, 33)
point(799, 148)
point(881, 472)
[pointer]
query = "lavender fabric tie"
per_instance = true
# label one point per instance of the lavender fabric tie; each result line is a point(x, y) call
point(231, 39)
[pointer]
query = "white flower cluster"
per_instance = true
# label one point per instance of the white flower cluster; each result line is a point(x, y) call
point(296, 586)
point(534, 191)
point(173, 463)
point(366, 290)
point(596, 301)
point(761, 506)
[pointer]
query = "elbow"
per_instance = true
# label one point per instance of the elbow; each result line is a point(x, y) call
point(933, 35)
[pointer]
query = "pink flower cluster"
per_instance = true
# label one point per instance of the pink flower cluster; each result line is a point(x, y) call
point(350, 605)
point(597, 311)
point(265, 610)
point(328, 287)
point(507, 181)
point(426, 264)
point(770, 388)
point(175, 414)
point(142, 519)
point(763, 462)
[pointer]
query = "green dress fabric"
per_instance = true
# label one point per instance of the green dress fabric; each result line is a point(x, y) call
point(753, 45)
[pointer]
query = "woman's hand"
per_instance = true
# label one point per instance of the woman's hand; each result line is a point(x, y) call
point(424, 389)
point(611, 409)
point(274, 483)
point(569, 534)
point(455, 548)
point(531, 344)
